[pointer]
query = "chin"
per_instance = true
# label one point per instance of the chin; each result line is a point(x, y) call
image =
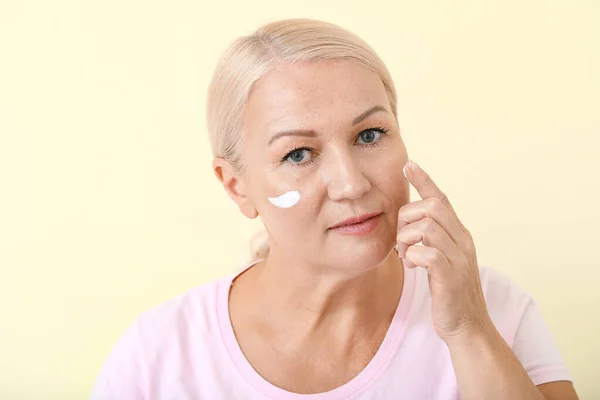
point(361, 256)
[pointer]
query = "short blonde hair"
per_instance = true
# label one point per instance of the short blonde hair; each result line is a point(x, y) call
point(248, 58)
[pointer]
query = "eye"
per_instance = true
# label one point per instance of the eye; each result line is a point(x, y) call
point(298, 156)
point(371, 136)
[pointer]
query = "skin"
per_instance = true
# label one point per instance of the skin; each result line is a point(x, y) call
point(311, 315)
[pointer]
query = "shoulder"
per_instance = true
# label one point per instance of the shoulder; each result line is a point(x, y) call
point(194, 309)
point(159, 338)
point(154, 328)
point(505, 300)
point(520, 322)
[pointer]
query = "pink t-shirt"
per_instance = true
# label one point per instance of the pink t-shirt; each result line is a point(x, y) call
point(186, 349)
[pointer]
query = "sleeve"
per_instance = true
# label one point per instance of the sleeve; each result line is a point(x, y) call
point(535, 347)
point(122, 374)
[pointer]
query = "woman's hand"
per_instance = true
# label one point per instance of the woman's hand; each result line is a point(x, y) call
point(448, 255)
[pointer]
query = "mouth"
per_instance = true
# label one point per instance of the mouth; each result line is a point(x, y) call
point(357, 225)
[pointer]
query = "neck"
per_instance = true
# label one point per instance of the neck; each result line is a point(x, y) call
point(308, 299)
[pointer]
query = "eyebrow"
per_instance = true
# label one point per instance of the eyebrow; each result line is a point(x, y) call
point(367, 113)
point(312, 133)
point(293, 132)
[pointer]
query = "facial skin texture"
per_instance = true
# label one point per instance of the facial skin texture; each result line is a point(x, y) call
point(341, 176)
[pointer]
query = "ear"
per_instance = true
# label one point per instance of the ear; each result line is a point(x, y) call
point(234, 185)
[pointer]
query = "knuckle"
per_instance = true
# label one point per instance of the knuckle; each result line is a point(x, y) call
point(470, 247)
point(434, 257)
point(438, 256)
point(428, 224)
point(432, 202)
point(468, 233)
point(435, 205)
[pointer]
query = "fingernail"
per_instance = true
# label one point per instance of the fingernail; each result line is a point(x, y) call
point(404, 169)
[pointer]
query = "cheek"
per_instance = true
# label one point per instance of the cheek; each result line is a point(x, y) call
point(395, 186)
point(293, 226)
point(298, 202)
point(391, 181)
point(288, 189)
point(288, 205)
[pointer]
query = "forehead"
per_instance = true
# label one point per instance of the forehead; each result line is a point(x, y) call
point(294, 95)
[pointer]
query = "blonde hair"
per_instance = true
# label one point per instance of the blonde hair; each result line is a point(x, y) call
point(248, 58)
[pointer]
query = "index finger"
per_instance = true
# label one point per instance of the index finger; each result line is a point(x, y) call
point(425, 186)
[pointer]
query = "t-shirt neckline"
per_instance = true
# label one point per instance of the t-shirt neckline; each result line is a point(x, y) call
point(355, 386)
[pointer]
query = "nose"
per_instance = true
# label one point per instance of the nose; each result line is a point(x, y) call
point(344, 178)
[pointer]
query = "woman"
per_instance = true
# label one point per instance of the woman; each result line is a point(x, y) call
point(358, 293)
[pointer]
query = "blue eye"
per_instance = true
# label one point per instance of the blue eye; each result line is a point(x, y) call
point(370, 136)
point(298, 156)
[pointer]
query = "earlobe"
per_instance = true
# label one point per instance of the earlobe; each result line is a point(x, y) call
point(234, 186)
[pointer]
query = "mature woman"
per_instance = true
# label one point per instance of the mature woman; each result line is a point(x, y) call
point(358, 293)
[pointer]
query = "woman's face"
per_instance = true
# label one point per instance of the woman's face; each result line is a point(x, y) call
point(325, 130)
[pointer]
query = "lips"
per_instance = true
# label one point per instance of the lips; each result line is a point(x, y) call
point(354, 220)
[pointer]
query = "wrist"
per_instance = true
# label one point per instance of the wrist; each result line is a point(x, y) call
point(474, 334)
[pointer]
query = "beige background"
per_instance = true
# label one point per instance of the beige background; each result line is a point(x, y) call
point(108, 205)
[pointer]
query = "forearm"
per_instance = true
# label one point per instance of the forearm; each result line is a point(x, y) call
point(486, 368)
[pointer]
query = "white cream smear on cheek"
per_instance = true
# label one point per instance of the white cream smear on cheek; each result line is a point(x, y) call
point(286, 200)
